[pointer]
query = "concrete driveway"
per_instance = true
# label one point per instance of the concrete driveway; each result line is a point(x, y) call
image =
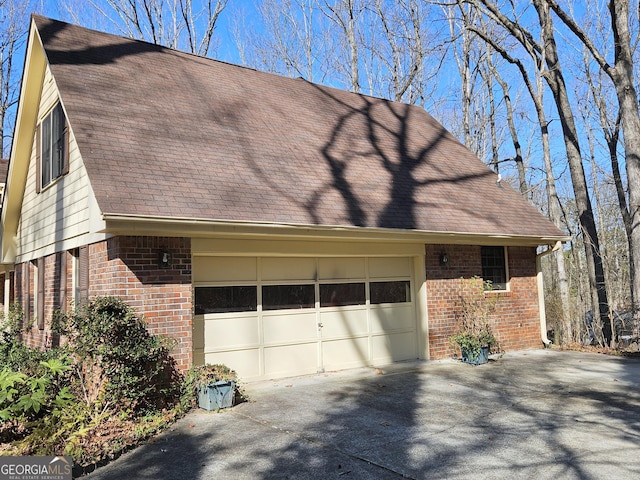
point(536, 414)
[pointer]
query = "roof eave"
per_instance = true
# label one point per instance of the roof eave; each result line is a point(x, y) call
point(26, 118)
point(119, 224)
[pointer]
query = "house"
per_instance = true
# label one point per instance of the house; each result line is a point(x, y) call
point(268, 223)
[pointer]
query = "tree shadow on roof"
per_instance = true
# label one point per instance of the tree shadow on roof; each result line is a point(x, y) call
point(70, 54)
point(407, 152)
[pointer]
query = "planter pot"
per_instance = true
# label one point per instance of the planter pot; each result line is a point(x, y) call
point(483, 356)
point(217, 395)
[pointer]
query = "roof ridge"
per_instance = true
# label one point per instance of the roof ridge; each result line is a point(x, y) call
point(224, 62)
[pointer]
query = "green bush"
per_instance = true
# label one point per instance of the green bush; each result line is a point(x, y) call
point(118, 363)
point(108, 387)
point(24, 397)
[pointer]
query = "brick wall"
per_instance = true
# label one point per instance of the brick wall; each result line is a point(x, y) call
point(516, 320)
point(126, 267)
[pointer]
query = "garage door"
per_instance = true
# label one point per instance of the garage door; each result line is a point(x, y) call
point(271, 317)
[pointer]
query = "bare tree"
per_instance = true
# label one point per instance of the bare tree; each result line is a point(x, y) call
point(292, 39)
point(182, 24)
point(462, 55)
point(536, 91)
point(13, 34)
point(345, 13)
point(622, 76)
point(545, 56)
point(405, 53)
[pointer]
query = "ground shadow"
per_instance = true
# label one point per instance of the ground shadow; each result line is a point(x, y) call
point(503, 420)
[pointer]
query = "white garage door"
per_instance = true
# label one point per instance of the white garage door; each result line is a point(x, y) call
point(271, 317)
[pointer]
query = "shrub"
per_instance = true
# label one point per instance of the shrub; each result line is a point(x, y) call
point(473, 314)
point(108, 387)
point(119, 364)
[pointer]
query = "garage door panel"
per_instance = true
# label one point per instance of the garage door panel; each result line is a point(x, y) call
point(245, 362)
point(225, 269)
point(288, 269)
point(394, 347)
point(291, 360)
point(236, 331)
point(343, 323)
point(341, 268)
point(389, 267)
point(346, 353)
point(391, 318)
point(290, 327)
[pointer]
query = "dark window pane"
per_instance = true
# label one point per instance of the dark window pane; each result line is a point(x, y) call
point(494, 269)
point(53, 145)
point(341, 294)
point(390, 292)
point(226, 299)
point(57, 134)
point(46, 151)
point(275, 297)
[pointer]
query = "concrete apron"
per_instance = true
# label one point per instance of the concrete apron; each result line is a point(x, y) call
point(534, 414)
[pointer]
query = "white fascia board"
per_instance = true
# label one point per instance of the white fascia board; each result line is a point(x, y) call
point(117, 224)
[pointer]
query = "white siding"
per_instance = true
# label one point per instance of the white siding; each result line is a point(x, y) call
point(57, 218)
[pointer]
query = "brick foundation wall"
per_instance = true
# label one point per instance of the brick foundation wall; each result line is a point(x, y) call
point(126, 267)
point(516, 320)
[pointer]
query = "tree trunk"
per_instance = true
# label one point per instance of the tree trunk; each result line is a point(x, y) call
point(555, 80)
point(622, 76)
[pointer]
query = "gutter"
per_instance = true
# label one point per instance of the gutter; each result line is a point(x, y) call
point(543, 313)
point(130, 224)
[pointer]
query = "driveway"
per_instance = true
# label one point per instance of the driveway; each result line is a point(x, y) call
point(535, 414)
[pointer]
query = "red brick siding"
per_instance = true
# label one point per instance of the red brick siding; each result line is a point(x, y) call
point(127, 267)
point(516, 320)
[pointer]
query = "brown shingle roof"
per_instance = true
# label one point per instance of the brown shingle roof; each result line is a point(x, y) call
point(165, 133)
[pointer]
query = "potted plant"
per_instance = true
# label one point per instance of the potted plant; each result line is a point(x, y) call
point(213, 385)
point(474, 337)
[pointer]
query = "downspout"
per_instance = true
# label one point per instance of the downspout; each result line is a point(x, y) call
point(543, 313)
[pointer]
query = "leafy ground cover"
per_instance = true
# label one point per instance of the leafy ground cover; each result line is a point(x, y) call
point(108, 387)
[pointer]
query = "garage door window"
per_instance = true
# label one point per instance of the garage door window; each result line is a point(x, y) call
point(226, 299)
point(390, 292)
point(342, 294)
point(276, 297)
